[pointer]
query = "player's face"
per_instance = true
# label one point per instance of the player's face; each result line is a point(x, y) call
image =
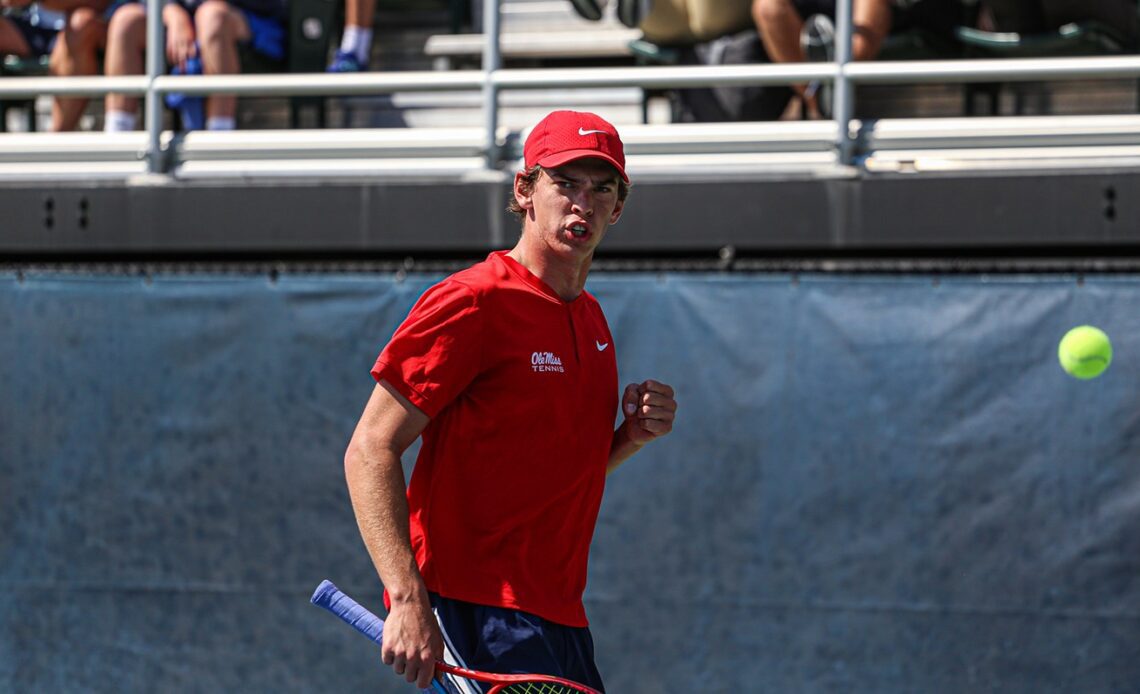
point(572, 205)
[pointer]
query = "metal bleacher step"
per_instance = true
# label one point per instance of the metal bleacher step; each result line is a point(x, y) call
point(540, 15)
point(447, 50)
point(539, 30)
point(518, 109)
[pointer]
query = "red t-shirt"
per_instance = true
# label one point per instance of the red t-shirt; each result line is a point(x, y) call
point(522, 391)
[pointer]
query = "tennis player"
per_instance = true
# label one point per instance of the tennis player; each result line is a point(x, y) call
point(507, 371)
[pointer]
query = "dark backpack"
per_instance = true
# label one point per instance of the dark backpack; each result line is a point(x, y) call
point(730, 103)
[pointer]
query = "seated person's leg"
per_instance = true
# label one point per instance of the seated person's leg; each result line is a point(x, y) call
point(355, 50)
point(76, 53)
point(779, 23)
point(220, 28)
point(125, 55)
point(12, 41)
point(781, 26)
point(872, 22)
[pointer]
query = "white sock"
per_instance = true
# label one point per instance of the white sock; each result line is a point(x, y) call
point(357, 40)
point(220, 123)
point(118, 121)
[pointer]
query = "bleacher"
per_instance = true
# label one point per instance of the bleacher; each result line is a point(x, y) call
point(539, 32)
point(879, 454)
point(423, 35)
point(533, 34)
point(404, 137)
point(445, 35)
point(25, 109)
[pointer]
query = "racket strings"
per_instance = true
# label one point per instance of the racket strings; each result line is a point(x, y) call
point(539, 688)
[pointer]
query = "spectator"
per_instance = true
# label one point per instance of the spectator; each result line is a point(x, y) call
point(209, 30)
point(702, 32)
point(799, 30)
point(1040, 16)
point(781, 24)
point(355, 50)
point(738, 32)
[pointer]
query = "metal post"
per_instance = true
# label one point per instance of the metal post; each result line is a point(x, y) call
point(492, 61)
point(155, 66)
point(844, 92)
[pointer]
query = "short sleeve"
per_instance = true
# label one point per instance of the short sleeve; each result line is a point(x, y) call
point(435, 353)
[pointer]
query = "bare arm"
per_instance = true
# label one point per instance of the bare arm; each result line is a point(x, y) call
point(649, 410)
point(180, 36)
point(390, 423)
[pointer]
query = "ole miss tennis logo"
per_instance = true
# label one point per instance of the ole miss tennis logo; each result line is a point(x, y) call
point(546, 361)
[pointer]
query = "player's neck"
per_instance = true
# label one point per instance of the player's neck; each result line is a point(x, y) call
point(566, 276)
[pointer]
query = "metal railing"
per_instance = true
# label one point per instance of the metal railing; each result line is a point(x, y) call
point(493, 79)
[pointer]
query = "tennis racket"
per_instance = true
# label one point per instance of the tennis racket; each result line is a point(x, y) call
point(332, 599)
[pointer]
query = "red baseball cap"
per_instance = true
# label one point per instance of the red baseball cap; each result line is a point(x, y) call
point(565, 136)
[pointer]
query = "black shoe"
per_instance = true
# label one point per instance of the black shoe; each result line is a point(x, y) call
point(631, 12)
point(590, 9)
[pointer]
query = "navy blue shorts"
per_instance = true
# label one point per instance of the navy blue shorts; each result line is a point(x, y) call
point(40, 38)
point(266, 34)
point(497, 639)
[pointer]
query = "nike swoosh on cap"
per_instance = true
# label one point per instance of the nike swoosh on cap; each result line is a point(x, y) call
point(601, 345)
point(590, 132)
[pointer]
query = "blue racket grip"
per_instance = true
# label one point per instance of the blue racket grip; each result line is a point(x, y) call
point(332, 599)
point(328, 596)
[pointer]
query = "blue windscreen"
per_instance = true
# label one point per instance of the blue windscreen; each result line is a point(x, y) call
point(876, 483)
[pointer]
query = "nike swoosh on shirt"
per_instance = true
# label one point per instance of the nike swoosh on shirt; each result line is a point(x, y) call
point(601, 345)
point(590, 132)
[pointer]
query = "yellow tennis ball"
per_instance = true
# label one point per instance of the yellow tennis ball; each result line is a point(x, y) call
point(1085, 352)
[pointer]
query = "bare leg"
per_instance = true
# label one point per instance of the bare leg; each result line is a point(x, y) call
point(76, 53)
point(872, 21)
point(355, 50)
point(220, 27)
point(12, 41)
point(779, 24)
point(126, 47)
point(359, 13)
